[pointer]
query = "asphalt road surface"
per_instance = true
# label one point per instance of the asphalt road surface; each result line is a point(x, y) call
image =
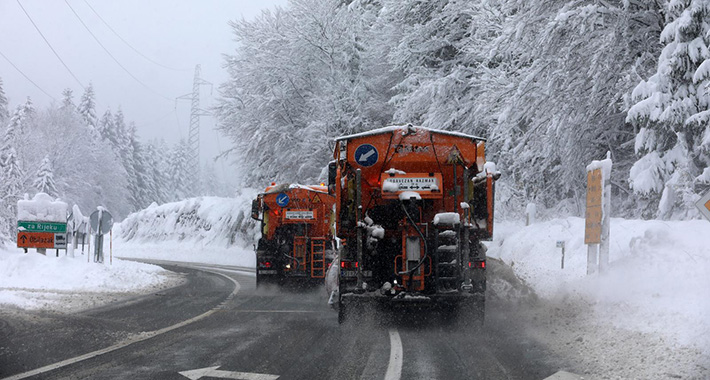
point(217, 325)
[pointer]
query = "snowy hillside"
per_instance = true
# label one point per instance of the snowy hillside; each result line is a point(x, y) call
point(206, 229)
point(650, 310)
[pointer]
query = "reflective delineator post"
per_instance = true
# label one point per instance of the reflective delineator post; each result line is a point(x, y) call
point(598, 213)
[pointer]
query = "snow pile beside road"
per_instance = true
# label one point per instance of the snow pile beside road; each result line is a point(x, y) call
point(204, 230)
point(654, 296)
point(34, 281)
point(208, 220)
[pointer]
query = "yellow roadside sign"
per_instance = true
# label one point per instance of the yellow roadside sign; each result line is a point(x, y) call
point(593, 223)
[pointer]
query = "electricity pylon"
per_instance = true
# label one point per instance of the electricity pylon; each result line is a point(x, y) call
point(193, 137)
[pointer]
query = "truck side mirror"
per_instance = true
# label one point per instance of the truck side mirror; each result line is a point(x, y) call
point(332, 172)
point(255, 209)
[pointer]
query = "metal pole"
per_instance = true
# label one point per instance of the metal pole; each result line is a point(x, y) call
point(606, 220)
point(592, 258)
point(466, 232)
point(358, 216)
point(110, 246)
point(456, 191)
point(563, 257)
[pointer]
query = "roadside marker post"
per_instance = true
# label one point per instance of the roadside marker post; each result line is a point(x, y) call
point(598, 214)
point(561, 244)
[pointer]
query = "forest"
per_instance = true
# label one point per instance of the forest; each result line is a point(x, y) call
point(551, 84)
point(69, 152)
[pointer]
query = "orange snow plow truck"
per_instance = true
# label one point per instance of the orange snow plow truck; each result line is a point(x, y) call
point(296, 241)
point(413, 206)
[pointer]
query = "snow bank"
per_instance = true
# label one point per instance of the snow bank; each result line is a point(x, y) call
point(42, 208)
point(35, 281)
point(204, 230)
point(221, 222)
point(657, 282)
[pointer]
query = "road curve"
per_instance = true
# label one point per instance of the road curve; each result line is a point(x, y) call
point(288, 333)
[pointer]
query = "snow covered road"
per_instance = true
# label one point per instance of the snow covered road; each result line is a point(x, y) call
point(289, 333)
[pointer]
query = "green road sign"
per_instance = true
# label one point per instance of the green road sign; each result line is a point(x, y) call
point(41, 226)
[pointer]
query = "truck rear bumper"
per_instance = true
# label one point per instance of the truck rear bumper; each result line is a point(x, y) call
point(410, 301)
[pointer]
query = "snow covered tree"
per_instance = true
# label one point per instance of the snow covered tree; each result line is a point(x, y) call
point(4, 111)
point(672, 113)
point(296, 78)
point(44, 181)
point(87, 108)
point(107, 130)
point(12, 177)
point(9, 138)
point(179, 176)
point(68, 100)
point(29, 108)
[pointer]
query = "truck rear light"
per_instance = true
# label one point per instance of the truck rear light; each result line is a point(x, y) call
point(348, 264)
point(477, 264)
point(265, 264)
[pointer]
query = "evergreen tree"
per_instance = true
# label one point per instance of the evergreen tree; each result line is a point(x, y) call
point(672, 110)
point(44, 181)
point(4, 111)
point(9, 138)
point(179, 175)
point(87, 108)
point(29, 108)
point(107, 130)
point(129, 144)
point(12, 178)
point(68, 99)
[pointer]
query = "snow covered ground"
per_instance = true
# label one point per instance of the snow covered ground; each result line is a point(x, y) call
point(204, 230)
point(648, 317)
point(32, 281)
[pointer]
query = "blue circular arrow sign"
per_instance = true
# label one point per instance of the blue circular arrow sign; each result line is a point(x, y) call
point(366, 155)
point(282, 199)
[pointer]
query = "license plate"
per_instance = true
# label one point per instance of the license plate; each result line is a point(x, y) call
point(268, 271)
point(353, 273)
point(348, 273)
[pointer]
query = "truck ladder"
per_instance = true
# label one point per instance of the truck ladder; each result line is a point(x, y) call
point(300, 254)
point(318, 258)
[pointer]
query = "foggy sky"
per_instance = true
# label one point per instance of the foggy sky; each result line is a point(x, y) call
point(178, 34)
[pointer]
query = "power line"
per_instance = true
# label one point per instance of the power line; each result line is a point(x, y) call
point(26, 77)
point(50, 45)
point(111, 55)
point(128, 44)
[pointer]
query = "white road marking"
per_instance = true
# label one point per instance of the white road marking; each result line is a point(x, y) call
point(139, 338)
point(394, 369)
point(196, 374)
